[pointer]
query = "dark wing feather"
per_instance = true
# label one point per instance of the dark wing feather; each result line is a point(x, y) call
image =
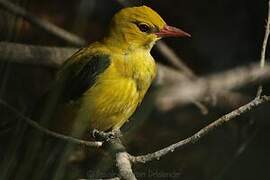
point(82, 77)
point(76, 76)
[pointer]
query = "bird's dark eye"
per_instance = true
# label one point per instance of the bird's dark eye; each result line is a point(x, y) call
point(144, 27)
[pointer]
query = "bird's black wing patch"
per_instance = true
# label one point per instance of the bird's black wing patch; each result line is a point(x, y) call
point(82, 77)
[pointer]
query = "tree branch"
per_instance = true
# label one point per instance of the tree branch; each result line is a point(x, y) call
point(264, 45)
point(49, 132)
point(42, 24)
point(265, 40)
point(198, 136)
point(51, 57)
point(118, 150)
point(124, 166)
point(183, 93)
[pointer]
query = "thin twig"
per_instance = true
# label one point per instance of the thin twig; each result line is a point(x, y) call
point(198, 136)
point(201, 107)
point(265, 40)
point(264, 45)
point(49, 132)
point(42, 24)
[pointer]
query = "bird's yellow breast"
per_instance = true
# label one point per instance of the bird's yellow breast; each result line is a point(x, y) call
point(118, 91)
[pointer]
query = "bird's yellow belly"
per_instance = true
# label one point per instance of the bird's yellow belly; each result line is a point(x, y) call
point(109, 104)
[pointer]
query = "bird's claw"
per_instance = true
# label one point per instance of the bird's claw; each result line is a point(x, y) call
point(106, 136)
point(95, 133)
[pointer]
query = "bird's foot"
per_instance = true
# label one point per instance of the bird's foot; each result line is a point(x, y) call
point(106, 136)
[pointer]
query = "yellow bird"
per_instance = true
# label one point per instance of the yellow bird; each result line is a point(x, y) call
point(101, 85)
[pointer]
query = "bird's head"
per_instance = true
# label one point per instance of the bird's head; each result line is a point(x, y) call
point(140, 27)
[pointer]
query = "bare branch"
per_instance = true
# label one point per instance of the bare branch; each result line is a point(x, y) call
point(124, 166)
point(198, 136)
point(264, 45)
point(49, 132)
point(265, 40)
point(118, 150)
point(34, 55)
point(187, 91)
point(42, 24)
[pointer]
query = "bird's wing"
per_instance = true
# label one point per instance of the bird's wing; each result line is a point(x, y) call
point(77, 75)
point(80, 73)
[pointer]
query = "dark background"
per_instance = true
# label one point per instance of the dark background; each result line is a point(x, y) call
point(225, 34)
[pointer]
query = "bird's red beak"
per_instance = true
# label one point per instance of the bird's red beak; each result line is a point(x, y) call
point(170, 31)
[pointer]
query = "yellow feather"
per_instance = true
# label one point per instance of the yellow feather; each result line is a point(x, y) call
point(117, 91)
